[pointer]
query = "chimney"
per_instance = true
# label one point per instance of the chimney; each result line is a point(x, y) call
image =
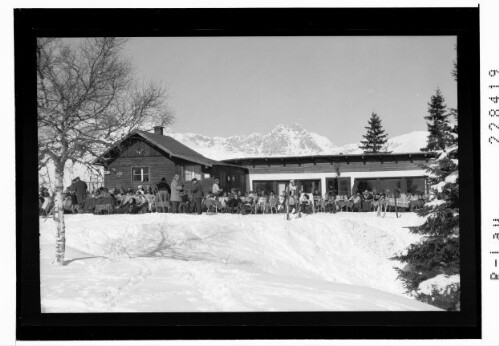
point(158, 130)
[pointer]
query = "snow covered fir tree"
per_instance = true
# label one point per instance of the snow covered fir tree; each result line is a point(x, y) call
point(375, 138)
point(439, 129)
point(432, 271)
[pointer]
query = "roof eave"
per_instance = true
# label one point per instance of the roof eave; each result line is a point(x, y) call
point(351, 156)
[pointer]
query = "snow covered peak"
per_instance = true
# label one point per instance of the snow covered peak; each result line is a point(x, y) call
point(282, 140)
point(288, 140)
point(410, 142)
point(295, 127)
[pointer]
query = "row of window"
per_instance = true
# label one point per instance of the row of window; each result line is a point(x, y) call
point(342, 186)
point(338, 185)
point(279, 186)
point(187, 173)
point(415, 185)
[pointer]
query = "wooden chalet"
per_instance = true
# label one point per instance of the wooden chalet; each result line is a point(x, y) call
point(342, 174)
point(144, 158)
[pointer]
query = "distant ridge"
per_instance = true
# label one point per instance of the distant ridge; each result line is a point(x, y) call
point(287, 140)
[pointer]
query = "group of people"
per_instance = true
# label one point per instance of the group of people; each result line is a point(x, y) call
point(175, 198)
point(295, 200)
point(369, 201)
point(73, 196)
point(162, 197)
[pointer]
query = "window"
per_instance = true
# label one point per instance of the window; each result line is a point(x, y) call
point(390, 185)
point(310, 186)
point(281, 188)
point(140, 174)
point(416, 186)
point(263, 186)
point(344, 186)
point(278, 186)
point(339, 186)
point(366, 184)
point(192, 172)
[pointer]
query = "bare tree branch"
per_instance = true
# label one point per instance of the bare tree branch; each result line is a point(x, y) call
point(88, 99)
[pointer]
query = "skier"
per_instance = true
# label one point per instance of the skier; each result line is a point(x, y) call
point(290, 197)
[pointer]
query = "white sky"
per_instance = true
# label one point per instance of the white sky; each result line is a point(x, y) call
point(223, 86)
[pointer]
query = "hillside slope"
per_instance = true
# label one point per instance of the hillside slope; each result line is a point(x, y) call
point(158, 262)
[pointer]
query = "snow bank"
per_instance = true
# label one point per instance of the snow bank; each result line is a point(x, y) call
point(166, 262)
point(441, 283)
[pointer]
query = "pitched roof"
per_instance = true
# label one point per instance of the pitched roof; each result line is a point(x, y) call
point(172, 147)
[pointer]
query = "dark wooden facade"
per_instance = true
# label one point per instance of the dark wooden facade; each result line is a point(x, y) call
point(138, 152)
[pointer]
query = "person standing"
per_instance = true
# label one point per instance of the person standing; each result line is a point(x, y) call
point(175, 196)
point(81, 191)
point(184, 201)
point(163, 192)
point(197, 195)
point(291, 196)
point(73, 183)
point(216, 190)
point(292, 187)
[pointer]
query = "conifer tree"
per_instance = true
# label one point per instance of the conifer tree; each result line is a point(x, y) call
point(454, 128)
point(438, 124)
point(454, 66)
point(375, 138)
point(453, 111)
point(432, 265)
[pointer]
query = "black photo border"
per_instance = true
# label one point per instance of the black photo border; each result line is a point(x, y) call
point(29, 24)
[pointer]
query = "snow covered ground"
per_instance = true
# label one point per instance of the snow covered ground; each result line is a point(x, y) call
point(166, 263)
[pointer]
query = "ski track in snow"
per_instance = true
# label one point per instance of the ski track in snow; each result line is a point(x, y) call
point(165, 262)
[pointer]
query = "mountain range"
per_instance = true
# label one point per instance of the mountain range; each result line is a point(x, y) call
point(287, 140)
point(282, 140)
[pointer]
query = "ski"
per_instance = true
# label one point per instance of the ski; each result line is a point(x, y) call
point(287, 206)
